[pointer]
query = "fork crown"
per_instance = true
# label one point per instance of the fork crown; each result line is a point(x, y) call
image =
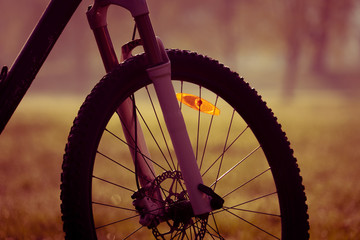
point(97, 13)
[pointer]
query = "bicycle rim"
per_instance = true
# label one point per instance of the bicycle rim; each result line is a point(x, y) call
point(236, 151)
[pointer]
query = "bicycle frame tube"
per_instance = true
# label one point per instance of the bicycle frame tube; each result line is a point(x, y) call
point(33, 55)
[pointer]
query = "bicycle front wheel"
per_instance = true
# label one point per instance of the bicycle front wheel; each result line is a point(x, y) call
point(241, 152)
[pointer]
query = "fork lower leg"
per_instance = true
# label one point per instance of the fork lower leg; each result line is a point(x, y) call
point(161, 78)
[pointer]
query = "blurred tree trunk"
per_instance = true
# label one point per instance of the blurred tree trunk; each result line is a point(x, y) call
point(328, 35)
point(229, 36)
point(320, 37)
point(294, 37)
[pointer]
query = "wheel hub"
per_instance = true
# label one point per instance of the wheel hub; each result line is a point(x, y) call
point(180, 212)
point(175, 211)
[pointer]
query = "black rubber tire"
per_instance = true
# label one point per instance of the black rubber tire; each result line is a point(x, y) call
point(76, 187)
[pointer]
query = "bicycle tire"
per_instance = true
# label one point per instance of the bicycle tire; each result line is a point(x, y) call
point(78, 183)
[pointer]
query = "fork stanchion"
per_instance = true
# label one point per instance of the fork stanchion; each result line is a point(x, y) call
point(132, 131)
point(160, 74)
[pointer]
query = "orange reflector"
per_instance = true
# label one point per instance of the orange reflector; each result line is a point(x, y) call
point(198, 103)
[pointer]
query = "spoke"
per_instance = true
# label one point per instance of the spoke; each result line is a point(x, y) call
point(112, 206)
point(153, 137)
point(117, 137)
point(115, 222)
point(208, 134)
point(116, 162)
point(213, 236)
point(114, 184)
point(225, 151)
point(136, 163)
point(257, 212)
point(237, 164)
point(122, 220)
point(263, 230)
point(137, 150)
point(196, 227)
point(242, 185)
point(163, 190)
point(198, 128)
point(190, 226)
point(181, 91)
point(216, 226)
point(243, 203)
point(133, 232)
point(255, 199)
point(225, 146)
point(179, 234)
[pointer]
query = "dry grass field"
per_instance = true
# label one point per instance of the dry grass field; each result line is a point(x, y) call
point(323, 129)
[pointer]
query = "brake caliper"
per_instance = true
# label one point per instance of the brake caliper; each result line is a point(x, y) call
point(149, 205)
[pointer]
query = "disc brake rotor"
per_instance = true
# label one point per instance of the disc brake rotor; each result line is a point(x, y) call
point(177, 219)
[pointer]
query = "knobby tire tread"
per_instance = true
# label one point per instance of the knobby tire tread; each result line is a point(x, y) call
point(76, 198)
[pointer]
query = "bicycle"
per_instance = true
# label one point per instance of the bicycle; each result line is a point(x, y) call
point(122, 179)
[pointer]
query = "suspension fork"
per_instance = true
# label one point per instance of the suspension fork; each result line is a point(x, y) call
point(130, 124)
point(160, 74)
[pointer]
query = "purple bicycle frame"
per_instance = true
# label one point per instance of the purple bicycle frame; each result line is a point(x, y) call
point(15, 83)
